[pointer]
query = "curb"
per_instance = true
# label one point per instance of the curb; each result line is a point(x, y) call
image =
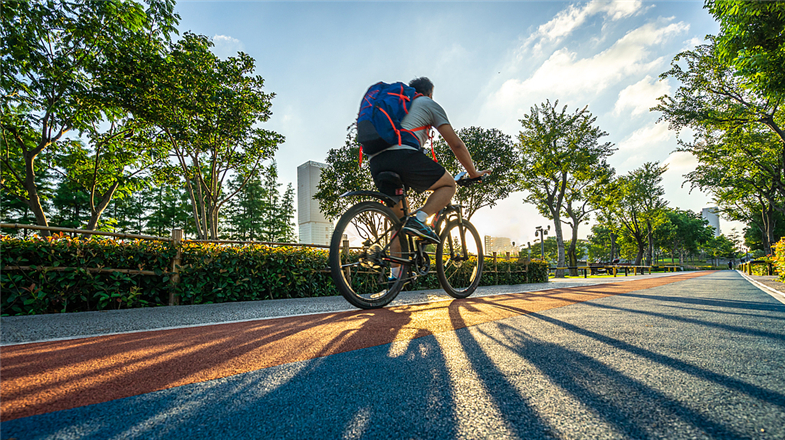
point(779, 296)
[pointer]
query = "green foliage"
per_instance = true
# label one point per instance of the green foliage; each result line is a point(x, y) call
point(752, 39)
point(631, 204)
point(682, 232)
point(560, 154)
point(214, 273)
point(259, 211)
point(343, 174)
point(51, 57)
point(49, 291)
point(515, 271)
point(208, 111)
point(490, 149)
point(209, 273)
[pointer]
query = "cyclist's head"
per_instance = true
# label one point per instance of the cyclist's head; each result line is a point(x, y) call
point(422, 85)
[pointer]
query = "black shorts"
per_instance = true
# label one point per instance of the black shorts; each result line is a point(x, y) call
point(417, 170)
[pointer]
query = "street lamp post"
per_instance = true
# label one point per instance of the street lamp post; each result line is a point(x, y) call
point(542, 232)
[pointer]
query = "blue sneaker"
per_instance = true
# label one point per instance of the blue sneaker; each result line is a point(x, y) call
point(420, 229)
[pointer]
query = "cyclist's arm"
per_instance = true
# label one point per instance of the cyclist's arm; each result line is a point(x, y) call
point(460, 151)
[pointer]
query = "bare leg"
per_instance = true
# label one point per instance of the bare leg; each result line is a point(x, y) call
point(443, 190)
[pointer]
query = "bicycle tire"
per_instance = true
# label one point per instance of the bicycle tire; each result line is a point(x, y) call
point(459, 277)
point(362, 275)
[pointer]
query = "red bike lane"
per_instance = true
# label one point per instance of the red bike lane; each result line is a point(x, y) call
point(43, 377)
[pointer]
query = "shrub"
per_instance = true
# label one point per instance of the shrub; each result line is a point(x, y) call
point(49, 289)
point(209, 273)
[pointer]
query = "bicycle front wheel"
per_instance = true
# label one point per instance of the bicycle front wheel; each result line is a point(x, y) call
point(363, 272)
point(459, 261)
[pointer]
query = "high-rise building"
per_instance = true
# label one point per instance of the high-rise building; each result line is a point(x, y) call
point(500, 245)
point(314, 228)
point(711, 215)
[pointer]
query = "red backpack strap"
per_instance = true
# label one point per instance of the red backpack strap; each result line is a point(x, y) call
point(433, 150)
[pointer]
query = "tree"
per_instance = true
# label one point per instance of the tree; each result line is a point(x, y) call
point(557, 148)
point(601, 243)
point(117, 160)
point(51, 56)
point(69, 202)
point(170, 206)
point(208, 111)
point(752, 40)
point(278, 211)
point(581, 199)
point(247, 209)
point(720, 247)
point(740, 168)
point(722, 107)
point(490, 149)
point(260, 211)
point(633, 201)
point(344, 173)
point(682, 232)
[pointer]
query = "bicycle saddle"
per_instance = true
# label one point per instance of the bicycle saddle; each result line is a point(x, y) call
point(390, 178)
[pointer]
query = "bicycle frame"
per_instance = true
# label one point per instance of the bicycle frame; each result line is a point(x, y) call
point(448, 214)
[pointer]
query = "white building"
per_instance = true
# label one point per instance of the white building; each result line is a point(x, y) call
point(314, 228)
point(500, 245)
point(713, 218)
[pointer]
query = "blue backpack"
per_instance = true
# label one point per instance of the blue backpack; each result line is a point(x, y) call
point(379, 122)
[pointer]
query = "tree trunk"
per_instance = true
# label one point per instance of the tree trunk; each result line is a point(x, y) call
point(96, 211)
point(33, 199)
point(559, 246)
point(639, 256)
point(651, 245)
point(571, 253)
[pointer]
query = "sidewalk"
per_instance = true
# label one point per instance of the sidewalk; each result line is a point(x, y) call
point(768, 283)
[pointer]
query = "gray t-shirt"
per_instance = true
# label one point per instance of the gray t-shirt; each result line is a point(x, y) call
point(424, 112)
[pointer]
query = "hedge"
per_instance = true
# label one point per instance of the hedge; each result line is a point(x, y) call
point(209, 273)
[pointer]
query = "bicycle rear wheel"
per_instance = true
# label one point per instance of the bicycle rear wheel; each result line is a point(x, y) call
point(458, 272)
point(362, 274)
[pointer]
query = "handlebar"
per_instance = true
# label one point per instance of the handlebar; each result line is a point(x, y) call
point(462, 179)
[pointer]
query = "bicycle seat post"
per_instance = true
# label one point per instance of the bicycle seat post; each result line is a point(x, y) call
point(392, 183)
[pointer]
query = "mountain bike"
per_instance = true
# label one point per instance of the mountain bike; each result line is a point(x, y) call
point(369, 270)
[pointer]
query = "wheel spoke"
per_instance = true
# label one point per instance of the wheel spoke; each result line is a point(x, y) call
point(362, 276)
point(458, 275)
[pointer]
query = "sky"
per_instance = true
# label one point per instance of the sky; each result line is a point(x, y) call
point(490, 63)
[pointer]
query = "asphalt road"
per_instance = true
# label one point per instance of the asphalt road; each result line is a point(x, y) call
point(698, 357)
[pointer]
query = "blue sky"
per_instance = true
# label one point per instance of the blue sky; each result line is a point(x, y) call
point(490, 62)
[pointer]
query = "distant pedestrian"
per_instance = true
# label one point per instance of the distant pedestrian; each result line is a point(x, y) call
point(730, 264)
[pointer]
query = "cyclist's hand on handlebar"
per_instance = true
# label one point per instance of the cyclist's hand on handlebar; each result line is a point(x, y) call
point(463, 178)
point(477, 174)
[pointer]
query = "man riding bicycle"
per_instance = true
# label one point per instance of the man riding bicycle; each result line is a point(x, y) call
point(417, 171)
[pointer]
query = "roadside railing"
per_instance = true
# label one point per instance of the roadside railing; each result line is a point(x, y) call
point(747, 267)
point(616, 270)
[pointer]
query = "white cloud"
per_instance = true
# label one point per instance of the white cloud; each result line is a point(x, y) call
point(692, 43)
point(226, 46)
point(566, 21)
point(566, 76)
point(641, 96)
point(648, 138)
point(681, 162)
